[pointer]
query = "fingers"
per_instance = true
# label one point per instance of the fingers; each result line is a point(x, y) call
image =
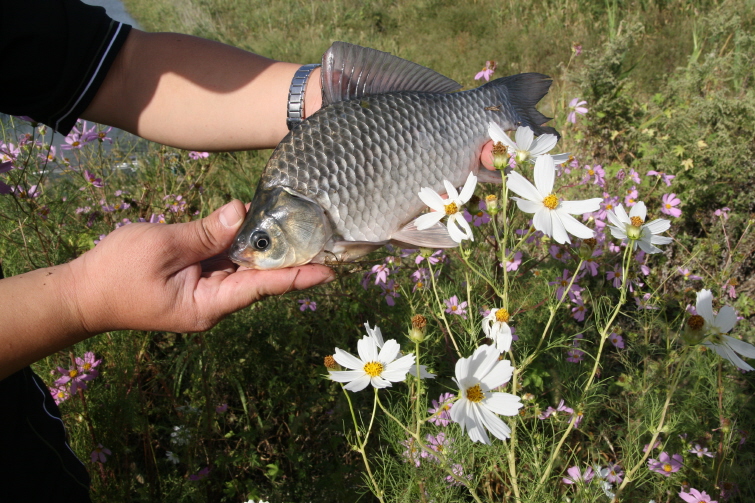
point(202, 239)
point(486, 157)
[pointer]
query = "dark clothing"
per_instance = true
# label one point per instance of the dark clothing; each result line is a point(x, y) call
point(55, 55)
point(36, 462)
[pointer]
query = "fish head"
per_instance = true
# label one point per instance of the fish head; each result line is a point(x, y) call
point(282, 229)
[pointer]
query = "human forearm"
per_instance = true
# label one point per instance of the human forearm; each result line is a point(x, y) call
point(37, 317)
point(197, 94)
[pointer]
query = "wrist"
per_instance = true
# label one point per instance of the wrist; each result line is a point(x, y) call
point(313, 94)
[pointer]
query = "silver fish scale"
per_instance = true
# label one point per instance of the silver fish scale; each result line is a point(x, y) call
point(364, 161)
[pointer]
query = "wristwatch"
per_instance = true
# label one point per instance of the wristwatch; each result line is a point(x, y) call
point(295, 109)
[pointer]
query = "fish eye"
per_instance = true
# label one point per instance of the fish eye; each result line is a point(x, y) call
point(260, 240)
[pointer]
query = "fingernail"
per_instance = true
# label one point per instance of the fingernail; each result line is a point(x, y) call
point(229, 216)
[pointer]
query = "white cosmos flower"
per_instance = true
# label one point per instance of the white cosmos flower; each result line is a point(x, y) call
point(458, 227)
point(477, 406)
point(634, 228)
point(372, 367)
point(717, 326)
point(526, 147)
point(377, 336)
point(495, 325)
point(552, 215)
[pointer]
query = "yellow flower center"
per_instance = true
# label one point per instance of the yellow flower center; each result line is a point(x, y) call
point(502, 315)
point(330, 362)
point(73, 373)
point(87, 366)
point(591, 172)
point(551, 202)
point(451, 209)
point(475, 394)
point(609, 206)
point(636, 221)
point(696, 322)
point(420, 285)
point(373, 369)
point(75, 144)
point(667, 467)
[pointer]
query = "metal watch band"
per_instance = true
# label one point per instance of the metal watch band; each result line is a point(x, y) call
point(295, 111)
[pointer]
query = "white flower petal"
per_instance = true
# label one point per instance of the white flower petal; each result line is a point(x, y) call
point(504, 404)
point(704, 306)
point(574, 226)
point(543, 222)
point(494, 423)
point(375, 333)
point(543, 144)
point(725, 352)
point(463, 225)
point(454, 231)
point(545, 174)
point(427, 220)
point(580, 207)
point(403, 364)
point(520, 186)
point(389, 352)
point(559, 230)
point(622, 214)
point(725, 321)
point(498, 135)
point(615, 220)
point(560, 158)
point(453, 195)
point(647, 247)
point(528, 206)
point(358, 384)
point(618, 232)
point(346, 375)
point(660, 240)
point(468, 190)
point(498, 375)
point(348, 360)
point(657, 226)
point(378, 382)
point(740, 347)
point(639, 210)
point(524, 137)
point(432, 199)
point(367, 349)
point(501, 336)
point(483, 359)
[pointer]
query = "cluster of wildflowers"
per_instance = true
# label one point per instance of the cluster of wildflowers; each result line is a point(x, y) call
point(75, 378)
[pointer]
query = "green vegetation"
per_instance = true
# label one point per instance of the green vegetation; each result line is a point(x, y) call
point(669, 88)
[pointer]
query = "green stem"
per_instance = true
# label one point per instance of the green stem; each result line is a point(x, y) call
point(361, 448)
point(442, 314)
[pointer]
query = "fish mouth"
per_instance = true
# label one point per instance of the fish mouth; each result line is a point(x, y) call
point(242, 256)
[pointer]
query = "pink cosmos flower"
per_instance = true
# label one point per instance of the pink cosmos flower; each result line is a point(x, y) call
point(198, 155)
point(92, 180)
point(687, 274)
point(221, 409)
point(663, 176)
point(632, 196)
point(616, 340)
point(200, 474)
point(438, 443)
point(99, 454)
point(576, 476)
point(590, 264)
point(413, 453)
point(559, 253)
point(695, 496)
point(550, 411)
point(459, 472)
point(390, 292)
point(666, 465)
point(23, 193)
point(100, 136)
point(487, 71)
point(722, 212)
point(563, 282)
point(454, 307)
point(441, 409)
point(512, 261)
point(88, 364)
point(480, 217)
point(579, 311)
point(307, 304)
point(437, 256)
point(175, 204)
point(656, 445)
point(60, 394)
point(157, 219)
point(76, 379)
point(669, 206)
point(635, 176)
point(612, 473)
point(615, 275)
point(596, 173)
point(577, 49)
point(575, 355)
point(701, 451)
point(576, 108)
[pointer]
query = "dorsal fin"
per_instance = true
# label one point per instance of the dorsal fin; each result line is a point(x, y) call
point(350, 71)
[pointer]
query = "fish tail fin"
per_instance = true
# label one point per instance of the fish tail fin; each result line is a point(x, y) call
point(524, 91)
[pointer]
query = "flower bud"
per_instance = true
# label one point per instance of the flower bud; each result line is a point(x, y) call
point(330, 363)
point(522, 156)
point(419, 328)
point(426, 252)
point(694, 332)
point(500, 156)
point(634, 233)
point(491, 203)
point(586, 248)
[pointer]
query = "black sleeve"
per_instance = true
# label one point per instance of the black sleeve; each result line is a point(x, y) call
point(55, 54)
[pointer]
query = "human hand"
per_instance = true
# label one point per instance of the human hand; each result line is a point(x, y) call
point(175, 277)
point(486, 157)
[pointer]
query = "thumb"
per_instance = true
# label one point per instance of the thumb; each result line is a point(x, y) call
point(205, 238)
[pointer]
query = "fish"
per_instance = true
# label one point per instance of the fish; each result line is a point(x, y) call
point(345, 181)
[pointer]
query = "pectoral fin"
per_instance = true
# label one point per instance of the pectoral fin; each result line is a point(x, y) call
point(484, 175)
point(347, 251)
point(435, 237)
